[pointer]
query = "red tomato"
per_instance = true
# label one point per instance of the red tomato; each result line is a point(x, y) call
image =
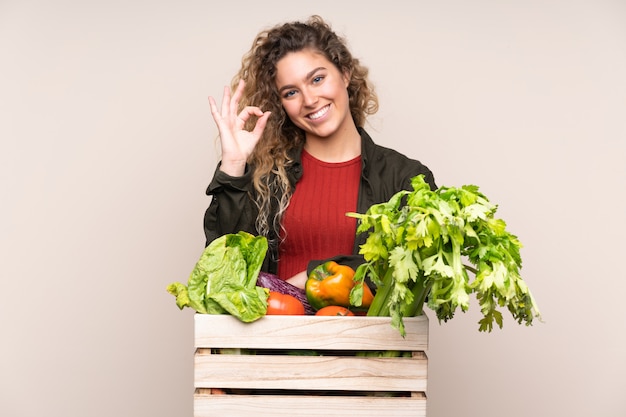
point(284, 304)
point(334, 311)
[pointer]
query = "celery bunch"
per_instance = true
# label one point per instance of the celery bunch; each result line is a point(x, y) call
point(415, 251)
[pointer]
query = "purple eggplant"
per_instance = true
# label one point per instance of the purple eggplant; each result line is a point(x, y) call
point(274, 283)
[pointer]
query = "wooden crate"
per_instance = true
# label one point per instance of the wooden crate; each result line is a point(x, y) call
point(327, 378)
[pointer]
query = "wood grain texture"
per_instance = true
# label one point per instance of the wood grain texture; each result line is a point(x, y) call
point(307, 406)
point(333, 377)
point(310, 332)
point(310, 372)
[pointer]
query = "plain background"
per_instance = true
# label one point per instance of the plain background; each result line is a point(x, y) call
point(107, 145)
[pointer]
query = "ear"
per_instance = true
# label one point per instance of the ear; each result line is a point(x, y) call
point(347, 75)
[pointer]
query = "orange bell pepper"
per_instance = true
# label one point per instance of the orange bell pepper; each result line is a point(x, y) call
point(330, 284)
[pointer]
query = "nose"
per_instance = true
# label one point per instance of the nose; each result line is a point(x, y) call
point(309, 99)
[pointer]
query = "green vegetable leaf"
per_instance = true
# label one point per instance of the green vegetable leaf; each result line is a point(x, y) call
point(415, 249)
point(223, 280)
point(179, 291)
point(245, 303)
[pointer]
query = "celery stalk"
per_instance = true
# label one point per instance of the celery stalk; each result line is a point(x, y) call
point(416, 242)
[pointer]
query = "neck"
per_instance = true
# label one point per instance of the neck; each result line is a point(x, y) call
point(343, 146)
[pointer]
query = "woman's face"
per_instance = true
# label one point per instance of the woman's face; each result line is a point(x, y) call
point(314, 94)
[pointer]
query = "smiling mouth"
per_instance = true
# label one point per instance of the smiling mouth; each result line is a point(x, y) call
point(321, 112)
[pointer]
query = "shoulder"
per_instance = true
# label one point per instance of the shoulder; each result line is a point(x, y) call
point(390, 164)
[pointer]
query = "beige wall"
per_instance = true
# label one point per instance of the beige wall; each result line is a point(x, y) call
point(107, 146)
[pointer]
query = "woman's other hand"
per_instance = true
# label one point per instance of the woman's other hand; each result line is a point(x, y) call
point(299, 280)
point(237, 143)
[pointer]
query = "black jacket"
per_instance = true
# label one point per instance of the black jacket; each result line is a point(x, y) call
point(384, 173)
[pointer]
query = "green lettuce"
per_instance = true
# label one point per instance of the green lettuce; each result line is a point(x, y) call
point(223, 280)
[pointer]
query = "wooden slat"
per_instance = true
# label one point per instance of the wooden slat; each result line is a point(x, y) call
point(273, 372)
point(310, 332)
point(307, 406)
point(311, 372)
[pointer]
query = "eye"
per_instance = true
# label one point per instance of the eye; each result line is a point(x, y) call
point(289, 93)
point(318, 79)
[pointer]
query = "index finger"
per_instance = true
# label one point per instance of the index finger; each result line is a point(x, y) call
point(237, 96)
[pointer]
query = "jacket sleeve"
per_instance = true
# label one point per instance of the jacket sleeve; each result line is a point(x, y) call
point(231, 209)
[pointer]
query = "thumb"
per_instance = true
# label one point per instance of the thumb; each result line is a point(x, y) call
point(261, 123)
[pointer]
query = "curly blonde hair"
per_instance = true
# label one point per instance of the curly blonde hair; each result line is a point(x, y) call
point(258, 70)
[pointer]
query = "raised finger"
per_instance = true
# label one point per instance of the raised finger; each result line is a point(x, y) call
point(260, 124)
point(226, 101)
point(213, 105)
point(249, 111)
point(237, 96)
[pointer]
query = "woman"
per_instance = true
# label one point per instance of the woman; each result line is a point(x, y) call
point(295, 157)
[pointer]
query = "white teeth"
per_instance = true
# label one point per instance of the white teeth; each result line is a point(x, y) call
point(319, 114)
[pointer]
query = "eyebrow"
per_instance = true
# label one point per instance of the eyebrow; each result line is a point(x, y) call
point(308, 76)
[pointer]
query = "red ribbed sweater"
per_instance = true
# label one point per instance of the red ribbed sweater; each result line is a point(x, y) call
point(315, 223)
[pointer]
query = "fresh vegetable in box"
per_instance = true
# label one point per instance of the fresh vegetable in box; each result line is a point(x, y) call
point(284, 304)
point(224, 279)
point(334, 311)
point(274, 283)
point(330, 284)
point(415, 251)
